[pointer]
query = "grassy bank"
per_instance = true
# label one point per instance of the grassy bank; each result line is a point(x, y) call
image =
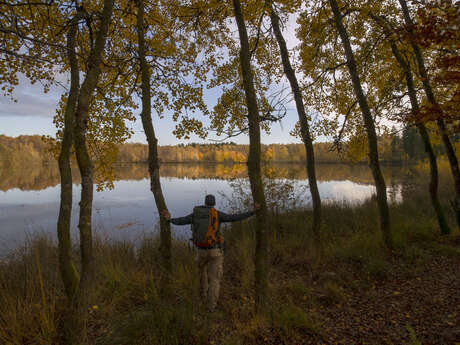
point(350, 290)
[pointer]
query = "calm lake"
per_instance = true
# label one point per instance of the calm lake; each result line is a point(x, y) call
point(29, 195)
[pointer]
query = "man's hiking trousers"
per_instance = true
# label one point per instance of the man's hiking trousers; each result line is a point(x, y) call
point(211, 267)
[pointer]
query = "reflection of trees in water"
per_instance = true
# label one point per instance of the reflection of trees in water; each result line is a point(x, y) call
point(409, 183)
point(37, 177)
point(392, 187)
point(28, 177)
point(414, 181)
point(326, 172)
point(204, 171)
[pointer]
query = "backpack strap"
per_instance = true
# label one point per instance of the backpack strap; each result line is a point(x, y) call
point(214, 222)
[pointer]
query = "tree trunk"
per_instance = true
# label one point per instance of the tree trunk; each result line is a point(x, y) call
point(154, 166)
point(434, 180)
point(86, 170)
point(69, 274)
point(450, 151)
point(254, 171)
point(370, 128)
point(304, 126)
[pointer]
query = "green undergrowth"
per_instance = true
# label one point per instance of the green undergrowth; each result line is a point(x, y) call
point(131, 306)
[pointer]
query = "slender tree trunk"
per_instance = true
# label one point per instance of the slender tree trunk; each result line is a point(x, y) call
point(69, 274)
point(154, 166)
point(434, 180)
point(86, 169)
point(254, 171)
point(450, 151)
point(370, 128)
point(304, 126)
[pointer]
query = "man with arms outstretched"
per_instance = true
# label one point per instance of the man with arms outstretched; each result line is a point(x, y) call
point(207, 238)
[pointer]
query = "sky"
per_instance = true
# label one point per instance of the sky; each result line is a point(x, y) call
point(33, 113)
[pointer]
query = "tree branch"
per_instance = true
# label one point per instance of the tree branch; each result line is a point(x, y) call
point(338, 139)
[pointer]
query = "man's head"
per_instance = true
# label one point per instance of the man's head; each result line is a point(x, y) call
point(209, 200)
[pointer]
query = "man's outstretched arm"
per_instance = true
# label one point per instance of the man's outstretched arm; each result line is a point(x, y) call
point(225, 218)
point(179, 220)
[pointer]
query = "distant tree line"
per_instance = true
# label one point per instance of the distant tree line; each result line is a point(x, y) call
point(400, 147)
point(25, 148)
point(397, 149)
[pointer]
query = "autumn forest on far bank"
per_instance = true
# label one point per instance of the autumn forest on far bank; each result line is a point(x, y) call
point(403, 147)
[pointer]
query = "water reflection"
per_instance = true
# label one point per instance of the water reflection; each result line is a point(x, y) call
point(29, 196)
point(39, 177)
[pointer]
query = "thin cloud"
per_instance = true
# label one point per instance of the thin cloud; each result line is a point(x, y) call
point(30, 100)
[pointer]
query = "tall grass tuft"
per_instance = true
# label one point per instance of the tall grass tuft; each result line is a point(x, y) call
point(29, 294)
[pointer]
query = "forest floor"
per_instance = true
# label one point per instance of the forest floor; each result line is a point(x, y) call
point(408, 305)
point(350, 290)
point(415, 299)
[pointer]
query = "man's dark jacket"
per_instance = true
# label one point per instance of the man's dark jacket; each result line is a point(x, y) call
point(222, 217)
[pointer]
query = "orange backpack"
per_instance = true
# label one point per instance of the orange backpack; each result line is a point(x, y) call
point(205, 227)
